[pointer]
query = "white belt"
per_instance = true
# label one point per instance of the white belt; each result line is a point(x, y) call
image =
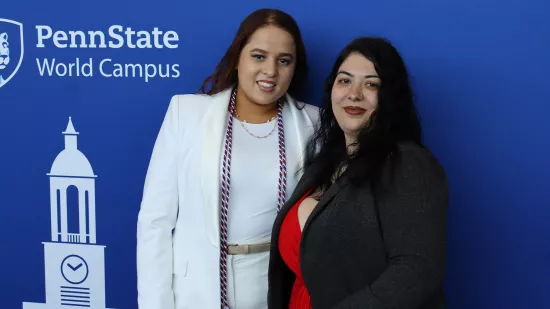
point(246, 249)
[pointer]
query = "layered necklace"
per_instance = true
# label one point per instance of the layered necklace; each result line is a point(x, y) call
point(225, 188)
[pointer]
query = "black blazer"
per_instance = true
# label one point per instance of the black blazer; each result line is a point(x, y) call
point(360, 253)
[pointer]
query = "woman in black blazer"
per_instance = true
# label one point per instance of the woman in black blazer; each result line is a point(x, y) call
point(366, 225)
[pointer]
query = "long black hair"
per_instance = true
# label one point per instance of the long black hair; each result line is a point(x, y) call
point(395, 120)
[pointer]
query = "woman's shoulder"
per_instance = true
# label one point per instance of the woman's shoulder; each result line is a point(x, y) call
point(414, 171)
point(412, 149)
point(419, 159)
point(201, 100)
point(310, 110)
point(184, 110)
point(192, 104)
point(190, 99)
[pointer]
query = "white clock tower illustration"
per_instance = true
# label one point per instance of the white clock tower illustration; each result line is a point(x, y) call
point(74, 263)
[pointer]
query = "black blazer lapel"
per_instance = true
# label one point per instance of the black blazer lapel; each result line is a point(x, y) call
point(280, 276)
point(336, 187)
point(304, 184)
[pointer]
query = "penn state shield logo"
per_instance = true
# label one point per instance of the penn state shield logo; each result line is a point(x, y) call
point(11, 49)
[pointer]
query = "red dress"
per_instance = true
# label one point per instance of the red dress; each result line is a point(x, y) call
point(289, 248)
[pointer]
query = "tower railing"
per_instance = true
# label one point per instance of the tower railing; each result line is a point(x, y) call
point(73, 237)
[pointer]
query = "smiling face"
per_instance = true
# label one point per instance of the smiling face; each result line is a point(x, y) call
point(266, 65)
point(354, 94)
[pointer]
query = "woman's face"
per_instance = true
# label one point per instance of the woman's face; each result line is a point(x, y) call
point(355, 94)
point(266, 65)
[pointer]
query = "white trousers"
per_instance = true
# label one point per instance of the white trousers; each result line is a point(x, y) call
point(247, 280)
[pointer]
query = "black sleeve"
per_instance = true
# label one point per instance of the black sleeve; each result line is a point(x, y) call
point(413, 220)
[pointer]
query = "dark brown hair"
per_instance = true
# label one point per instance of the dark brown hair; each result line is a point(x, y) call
point(225, 74)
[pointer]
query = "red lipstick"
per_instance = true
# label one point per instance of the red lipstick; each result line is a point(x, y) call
point(354, 110)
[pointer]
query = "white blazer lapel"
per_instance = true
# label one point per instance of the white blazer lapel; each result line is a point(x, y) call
point(213, 125)
point(302, 124)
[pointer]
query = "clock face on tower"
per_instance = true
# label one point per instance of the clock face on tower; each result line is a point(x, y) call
point(74, 269)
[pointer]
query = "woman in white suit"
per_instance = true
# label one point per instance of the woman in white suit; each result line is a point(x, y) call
point(223, 164)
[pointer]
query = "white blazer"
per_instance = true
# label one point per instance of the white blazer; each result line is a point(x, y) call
point(178, 223)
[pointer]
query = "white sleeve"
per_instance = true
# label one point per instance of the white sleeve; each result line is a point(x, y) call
point(157, 217)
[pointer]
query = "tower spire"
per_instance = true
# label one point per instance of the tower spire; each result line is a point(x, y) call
point(70, 128)
point(70, 133)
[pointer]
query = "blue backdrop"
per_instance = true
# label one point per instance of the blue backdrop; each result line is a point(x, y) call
point(480, 70)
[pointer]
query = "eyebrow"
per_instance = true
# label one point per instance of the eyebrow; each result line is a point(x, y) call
point(366, 76)
point(265, 52)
